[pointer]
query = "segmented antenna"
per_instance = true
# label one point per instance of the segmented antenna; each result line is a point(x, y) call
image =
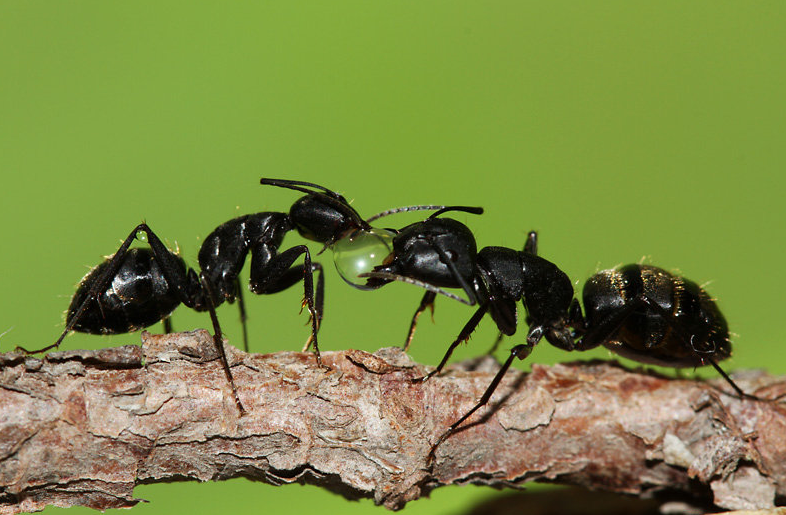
point(427, 207)
point(466, 209)
point(424, 285)
point(297, 186)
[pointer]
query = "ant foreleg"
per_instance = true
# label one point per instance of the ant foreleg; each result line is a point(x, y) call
point(241, 306)
point(278, 274)
point(319, 300)
point(426, 302)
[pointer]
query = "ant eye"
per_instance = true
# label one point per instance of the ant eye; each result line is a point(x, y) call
point(360, 252)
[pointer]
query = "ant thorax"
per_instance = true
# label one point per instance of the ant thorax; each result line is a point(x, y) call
point(359, 251)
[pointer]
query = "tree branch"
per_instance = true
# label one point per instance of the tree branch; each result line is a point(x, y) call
point(85, 427)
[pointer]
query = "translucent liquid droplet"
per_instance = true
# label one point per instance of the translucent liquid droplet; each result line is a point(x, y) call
point(360, 252)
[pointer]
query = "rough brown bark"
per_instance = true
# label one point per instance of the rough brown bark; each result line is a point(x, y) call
point(84, 427)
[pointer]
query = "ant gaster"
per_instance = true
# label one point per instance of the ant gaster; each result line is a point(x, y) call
point(638, 311)
point(137, 287)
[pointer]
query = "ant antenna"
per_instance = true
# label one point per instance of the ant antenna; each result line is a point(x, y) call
point(298, 186)
point(424, 285)
point(466, 209)
point(428, 207)
point(404, 209)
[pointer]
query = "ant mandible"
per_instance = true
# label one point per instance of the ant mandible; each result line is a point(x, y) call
point(638, 311)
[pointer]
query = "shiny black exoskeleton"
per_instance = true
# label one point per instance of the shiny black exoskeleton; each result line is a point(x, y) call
point(638, 311)
point(434, 254)
point(649, 315)
point(138, 287)
point(441, 253)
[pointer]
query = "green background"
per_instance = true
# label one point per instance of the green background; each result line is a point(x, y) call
point(619, 130)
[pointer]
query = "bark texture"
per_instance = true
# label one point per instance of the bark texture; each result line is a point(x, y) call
point(85, 427)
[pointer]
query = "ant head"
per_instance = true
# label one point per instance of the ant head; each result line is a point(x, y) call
point(325, 219)
point(421, 251)
point(322, 215)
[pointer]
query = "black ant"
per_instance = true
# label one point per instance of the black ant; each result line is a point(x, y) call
point(137, 287)
point(638, 311)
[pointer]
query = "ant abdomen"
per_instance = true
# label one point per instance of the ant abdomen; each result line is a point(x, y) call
point(138, 296)
point(652, 316)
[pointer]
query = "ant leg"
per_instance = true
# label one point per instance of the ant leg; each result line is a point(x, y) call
point(426, 302)
point(278, 274)
point(176, 275)
point(319, 301)
point(519, 351)
point(462, 337)
point(241, 305)
point(218, 339)
point(730, 380)
point(167, 325)
point(503, 312)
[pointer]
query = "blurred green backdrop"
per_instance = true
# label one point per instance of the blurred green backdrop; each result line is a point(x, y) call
point(619, 130)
